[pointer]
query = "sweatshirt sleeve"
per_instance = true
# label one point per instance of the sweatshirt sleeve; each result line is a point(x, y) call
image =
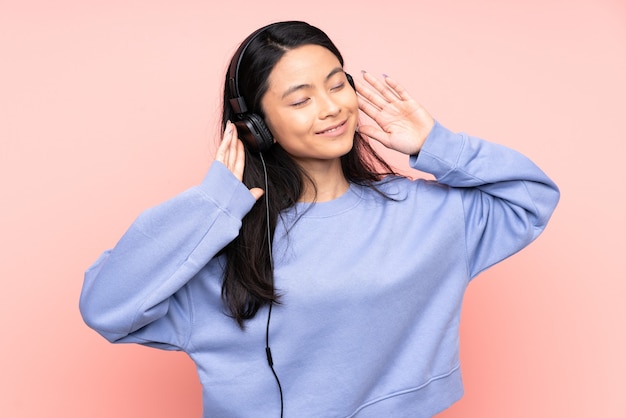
point(136, 283)
point(507, 200)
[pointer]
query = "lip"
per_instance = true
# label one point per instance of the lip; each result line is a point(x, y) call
point(334, 130)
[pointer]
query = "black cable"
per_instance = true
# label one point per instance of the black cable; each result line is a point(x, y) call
point(268, 351)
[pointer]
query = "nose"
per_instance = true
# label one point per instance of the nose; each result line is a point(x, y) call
point(328, 106)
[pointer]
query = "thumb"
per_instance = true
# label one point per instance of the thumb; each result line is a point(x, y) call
point(375, 133)
point(257, 192)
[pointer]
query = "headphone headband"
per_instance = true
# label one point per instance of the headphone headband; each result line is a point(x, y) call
point(236, 100)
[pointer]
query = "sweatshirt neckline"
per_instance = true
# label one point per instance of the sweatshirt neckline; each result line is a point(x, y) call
point(343, 203)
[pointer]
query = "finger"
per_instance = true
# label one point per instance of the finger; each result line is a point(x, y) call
point(368, 108)
point(233, 148)
point(373, 97)
point(398, 88)
point(375, 133)
point(239, 160)
point(386, 92)
point(257, 192)
point(222, 151)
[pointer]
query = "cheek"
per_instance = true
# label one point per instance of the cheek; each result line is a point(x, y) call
point(351, 101)
point(289, 123)
point(347, 100)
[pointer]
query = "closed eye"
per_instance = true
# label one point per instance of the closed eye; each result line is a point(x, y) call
point(300, 103)
point(338, 86)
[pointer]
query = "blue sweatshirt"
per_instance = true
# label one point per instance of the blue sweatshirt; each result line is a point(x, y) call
point(372, 287)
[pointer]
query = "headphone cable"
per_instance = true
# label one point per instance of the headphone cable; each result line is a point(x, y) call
point(268, 351)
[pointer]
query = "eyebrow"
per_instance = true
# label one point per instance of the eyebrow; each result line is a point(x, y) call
point(306, 86)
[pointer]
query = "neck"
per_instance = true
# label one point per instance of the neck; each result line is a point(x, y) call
point(327, 181)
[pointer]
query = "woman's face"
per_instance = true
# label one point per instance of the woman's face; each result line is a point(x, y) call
point(309, 106)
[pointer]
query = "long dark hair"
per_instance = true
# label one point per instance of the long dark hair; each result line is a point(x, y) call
point(248, 276)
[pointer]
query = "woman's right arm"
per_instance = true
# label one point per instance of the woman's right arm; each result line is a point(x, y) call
point(133, 284)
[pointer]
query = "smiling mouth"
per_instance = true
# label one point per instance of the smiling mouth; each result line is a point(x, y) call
point(332, 129)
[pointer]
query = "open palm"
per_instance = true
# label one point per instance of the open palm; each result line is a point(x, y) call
point(402, 123)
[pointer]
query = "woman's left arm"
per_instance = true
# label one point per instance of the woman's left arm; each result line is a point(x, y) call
point(507, 200)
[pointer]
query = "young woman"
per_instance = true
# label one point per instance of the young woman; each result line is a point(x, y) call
point(302, 276)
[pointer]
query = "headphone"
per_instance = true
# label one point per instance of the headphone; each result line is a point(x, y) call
point(251, 127)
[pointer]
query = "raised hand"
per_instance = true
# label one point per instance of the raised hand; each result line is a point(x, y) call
point(231, 153)
point(402, 123)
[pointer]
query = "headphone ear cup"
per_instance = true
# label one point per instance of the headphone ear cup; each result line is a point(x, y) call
point(254, 132)
point(350, 81)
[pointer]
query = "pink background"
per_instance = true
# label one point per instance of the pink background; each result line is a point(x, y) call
point(107, 108)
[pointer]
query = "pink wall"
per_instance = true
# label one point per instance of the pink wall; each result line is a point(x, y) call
point(109, 107)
